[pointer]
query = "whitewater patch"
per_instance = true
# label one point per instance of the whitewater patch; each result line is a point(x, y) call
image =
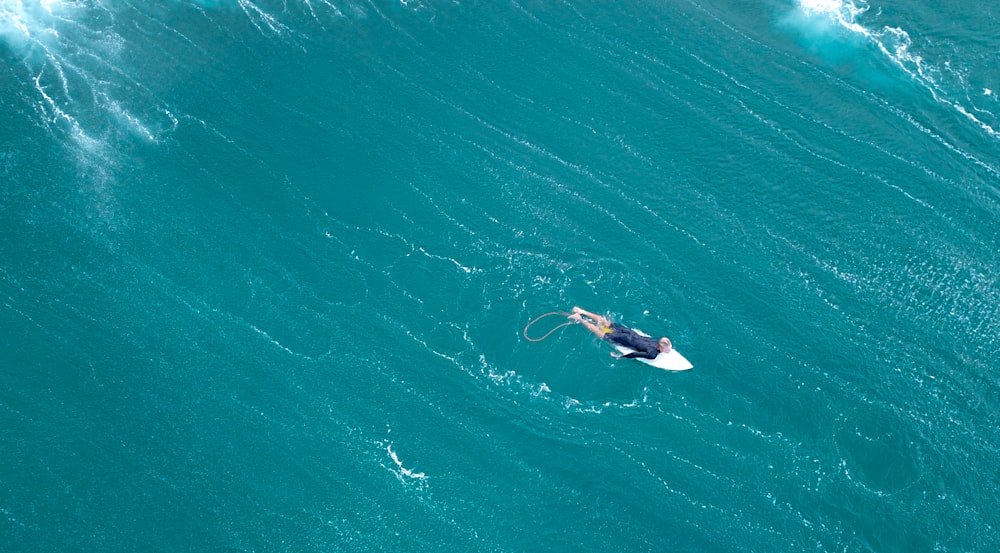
point(69, 57)
point(946, 80)
point(403, 473)
point(844, 14)
point(401, 470)
point(26, 22)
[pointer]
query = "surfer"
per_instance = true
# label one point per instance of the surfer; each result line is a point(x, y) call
point(602, 327)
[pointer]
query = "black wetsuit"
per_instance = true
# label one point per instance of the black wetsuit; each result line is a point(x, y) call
point(644, 346)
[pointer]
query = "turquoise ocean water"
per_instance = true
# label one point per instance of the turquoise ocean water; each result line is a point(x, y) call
point(265, 266)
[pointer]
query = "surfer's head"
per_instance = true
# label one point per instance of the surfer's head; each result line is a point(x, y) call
point(665, 345)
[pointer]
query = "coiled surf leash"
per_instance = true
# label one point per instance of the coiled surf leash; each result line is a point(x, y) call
point(555, 328)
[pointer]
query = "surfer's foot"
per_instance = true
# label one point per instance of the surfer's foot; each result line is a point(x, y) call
point(577, 310)
point(576, 317)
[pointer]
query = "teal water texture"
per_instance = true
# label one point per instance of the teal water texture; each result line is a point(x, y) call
point(265, 266)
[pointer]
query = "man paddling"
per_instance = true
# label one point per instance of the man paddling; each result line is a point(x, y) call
point(644, 346)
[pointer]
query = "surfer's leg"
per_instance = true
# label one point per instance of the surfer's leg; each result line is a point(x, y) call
point(599, 319)
point(598, 331)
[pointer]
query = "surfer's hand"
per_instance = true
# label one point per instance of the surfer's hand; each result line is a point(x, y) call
point(615, 354)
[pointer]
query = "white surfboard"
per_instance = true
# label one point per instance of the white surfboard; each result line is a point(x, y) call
point(670, 361)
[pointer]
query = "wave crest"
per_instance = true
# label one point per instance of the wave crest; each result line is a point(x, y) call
point(948, 80)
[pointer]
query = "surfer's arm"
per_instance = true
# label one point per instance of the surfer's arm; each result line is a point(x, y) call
point(642, 354)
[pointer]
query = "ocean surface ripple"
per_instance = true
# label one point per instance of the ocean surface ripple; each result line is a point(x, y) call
point(265, 267)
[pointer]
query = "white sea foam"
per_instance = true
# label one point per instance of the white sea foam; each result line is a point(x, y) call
point(943, 81)
point(402, 472)
point(66, 69)
point(30, 26)
point(261, 19)
point(842, 13)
